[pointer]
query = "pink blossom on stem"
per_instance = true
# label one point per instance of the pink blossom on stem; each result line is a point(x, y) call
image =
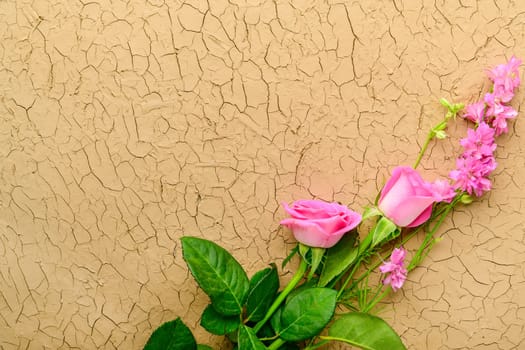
point(506, 75)
point(396, 268)
point(470, 175)
point(502, 94)
point(475, 112)
point(499, 123)
point(479, 143)
point(494, 105)
point(443, 191)
point(477, 161)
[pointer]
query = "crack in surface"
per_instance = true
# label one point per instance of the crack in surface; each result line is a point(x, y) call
point(127, 124)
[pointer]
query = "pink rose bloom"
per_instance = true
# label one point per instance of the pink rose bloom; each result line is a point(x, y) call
point(406, 198)
point(396, 268)
point(319, 224)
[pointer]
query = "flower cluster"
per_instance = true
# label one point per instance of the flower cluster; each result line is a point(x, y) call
point(493, 109)
point(396, 268)
point(477, 161)
point(490, 115)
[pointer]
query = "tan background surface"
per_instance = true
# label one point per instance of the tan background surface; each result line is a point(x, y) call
point(127, 124)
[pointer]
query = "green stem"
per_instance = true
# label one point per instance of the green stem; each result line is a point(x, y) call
point(349, 277)
point(430, 234)
point(280, 298)
point(376, 300)
point(276, 344)
point(361, 250)
point(430, 136)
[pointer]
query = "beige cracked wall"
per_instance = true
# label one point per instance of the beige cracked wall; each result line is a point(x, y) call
point(127, 124)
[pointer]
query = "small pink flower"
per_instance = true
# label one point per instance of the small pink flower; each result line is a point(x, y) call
point(475, 112)
point(471, 174)
point(477, 161)
point(443, 191)
point(480, 142)
point(506, 75)
point(494, 105)
point(500, 120)
point(396, 268)
point(320, 224)
point(501, 94)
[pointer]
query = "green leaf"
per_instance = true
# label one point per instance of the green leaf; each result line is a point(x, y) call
point(216, 323)
point(370, 212)
point(317, 256)
point(306, 285)
point(383, 231)
point(204, 347)
point(275, 321)
point(172, 335)
point(364, 331)
point(248, 340)
point(217, 273)
point(303, 250)
point(445, 103)
point(263, 287)
point(307, 313)
point(290, 256)
point(339, 257)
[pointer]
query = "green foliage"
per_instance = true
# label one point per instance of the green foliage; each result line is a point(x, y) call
point(263, 287)
point(216, 323)
point(248, 340)
point(172, 335)
point(290, 256)
point(316, 255)
point(275, 321)
point(339, 258)
point(364, 331)
point(217, 273)
point(306, 313)
point(204, 347)
point(370, 212)
point(384, 231)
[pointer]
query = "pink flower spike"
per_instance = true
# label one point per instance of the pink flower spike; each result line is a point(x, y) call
point(475, 112)
point(396, 269)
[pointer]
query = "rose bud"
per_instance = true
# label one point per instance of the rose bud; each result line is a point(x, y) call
point(406, 198)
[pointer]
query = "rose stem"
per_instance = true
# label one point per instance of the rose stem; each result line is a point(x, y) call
point(430, 136)
point(276, 344)
point(280, 298)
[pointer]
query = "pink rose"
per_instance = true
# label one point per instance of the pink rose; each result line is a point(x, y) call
point(319, 224)
point(406, 198)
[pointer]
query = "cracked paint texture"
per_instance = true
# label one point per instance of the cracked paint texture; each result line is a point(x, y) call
point(127, 124)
